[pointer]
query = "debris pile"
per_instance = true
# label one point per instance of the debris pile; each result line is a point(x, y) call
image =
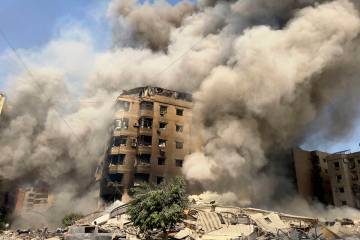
point(203, 221)
point(29, 234)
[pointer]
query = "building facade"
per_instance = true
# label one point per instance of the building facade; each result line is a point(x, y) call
point(344, 171)
point(312, 175)
point(32, 199)
point(330, 178)
point(151, 136)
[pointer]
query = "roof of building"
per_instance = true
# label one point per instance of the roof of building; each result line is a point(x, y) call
point(149, 91)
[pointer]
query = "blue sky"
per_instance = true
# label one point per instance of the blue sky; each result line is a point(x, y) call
point(31, 24)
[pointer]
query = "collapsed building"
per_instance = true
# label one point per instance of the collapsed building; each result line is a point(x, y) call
point(151, 136)
point(330, 178)
point(211, 221)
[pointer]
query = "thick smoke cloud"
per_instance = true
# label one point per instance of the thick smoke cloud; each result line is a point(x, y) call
point(47, 134)
point(265, 74)
point(275, 83)
point(149, 25)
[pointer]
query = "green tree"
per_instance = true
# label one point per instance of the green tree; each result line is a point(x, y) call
point(158, 207)
point(71, 218)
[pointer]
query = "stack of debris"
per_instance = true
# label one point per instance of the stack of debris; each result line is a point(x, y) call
point(28, 234)
point(210, 222)
point(207, 222)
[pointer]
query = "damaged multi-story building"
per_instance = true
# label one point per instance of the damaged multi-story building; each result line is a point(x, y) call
point(6, 191)
point(30, 199)
point(330, 178)
point(151, 135)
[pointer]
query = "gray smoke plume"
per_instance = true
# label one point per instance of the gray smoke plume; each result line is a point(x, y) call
point(265, 75)
point(273, 86)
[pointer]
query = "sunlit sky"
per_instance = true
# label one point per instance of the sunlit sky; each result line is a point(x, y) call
point(31, 24)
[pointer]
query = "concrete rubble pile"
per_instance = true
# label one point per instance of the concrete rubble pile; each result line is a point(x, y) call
point(28, 234)
point(208, 222)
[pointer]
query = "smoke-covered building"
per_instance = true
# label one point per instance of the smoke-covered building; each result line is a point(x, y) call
point(33, 199)
point(330, 178)
point(150, 139)
point(2, 102)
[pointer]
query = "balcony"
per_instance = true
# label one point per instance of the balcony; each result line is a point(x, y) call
point(143, 167)
point(118, 168)
point(147, 131)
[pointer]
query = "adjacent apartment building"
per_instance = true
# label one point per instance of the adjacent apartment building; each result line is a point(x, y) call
point(150, 139)
point(344, 171)
point(33, 199)
point(330, 178)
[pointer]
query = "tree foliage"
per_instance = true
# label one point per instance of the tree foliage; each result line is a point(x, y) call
point(70, 218)
point(158, 207)
point(3, 218)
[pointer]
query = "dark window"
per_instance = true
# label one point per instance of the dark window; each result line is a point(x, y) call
point(145, 105)
point(354, 176)
point(122, 123)
point(119, 141)
point(351, 163)
point(162, 143)
point(145, 140)
point(163, 110)
point(161, 161)
point(122, 106)
point(116, 177)
point(89, 229)
point(101, 230)
point(358, 161)
point(179, 112)
point(337, 165)
point(179, 162)
point(144, 158)
point(117, 159)
point(162, 125)
point(161, 153)
point(268, 220)
point(145, 122)
point(159, 179)
point(338, 178)
point(343, 202)
point(141, 177)
point(179, 128)
point(341, 189)
point(179, 145)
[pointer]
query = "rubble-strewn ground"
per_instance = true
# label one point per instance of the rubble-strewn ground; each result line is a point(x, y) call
point(203, 221)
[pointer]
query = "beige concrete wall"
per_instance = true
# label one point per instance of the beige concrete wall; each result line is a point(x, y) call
point(131, 166)
point(303, 169)
point(344, 177)
point(312, 175)
point(2, 102)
